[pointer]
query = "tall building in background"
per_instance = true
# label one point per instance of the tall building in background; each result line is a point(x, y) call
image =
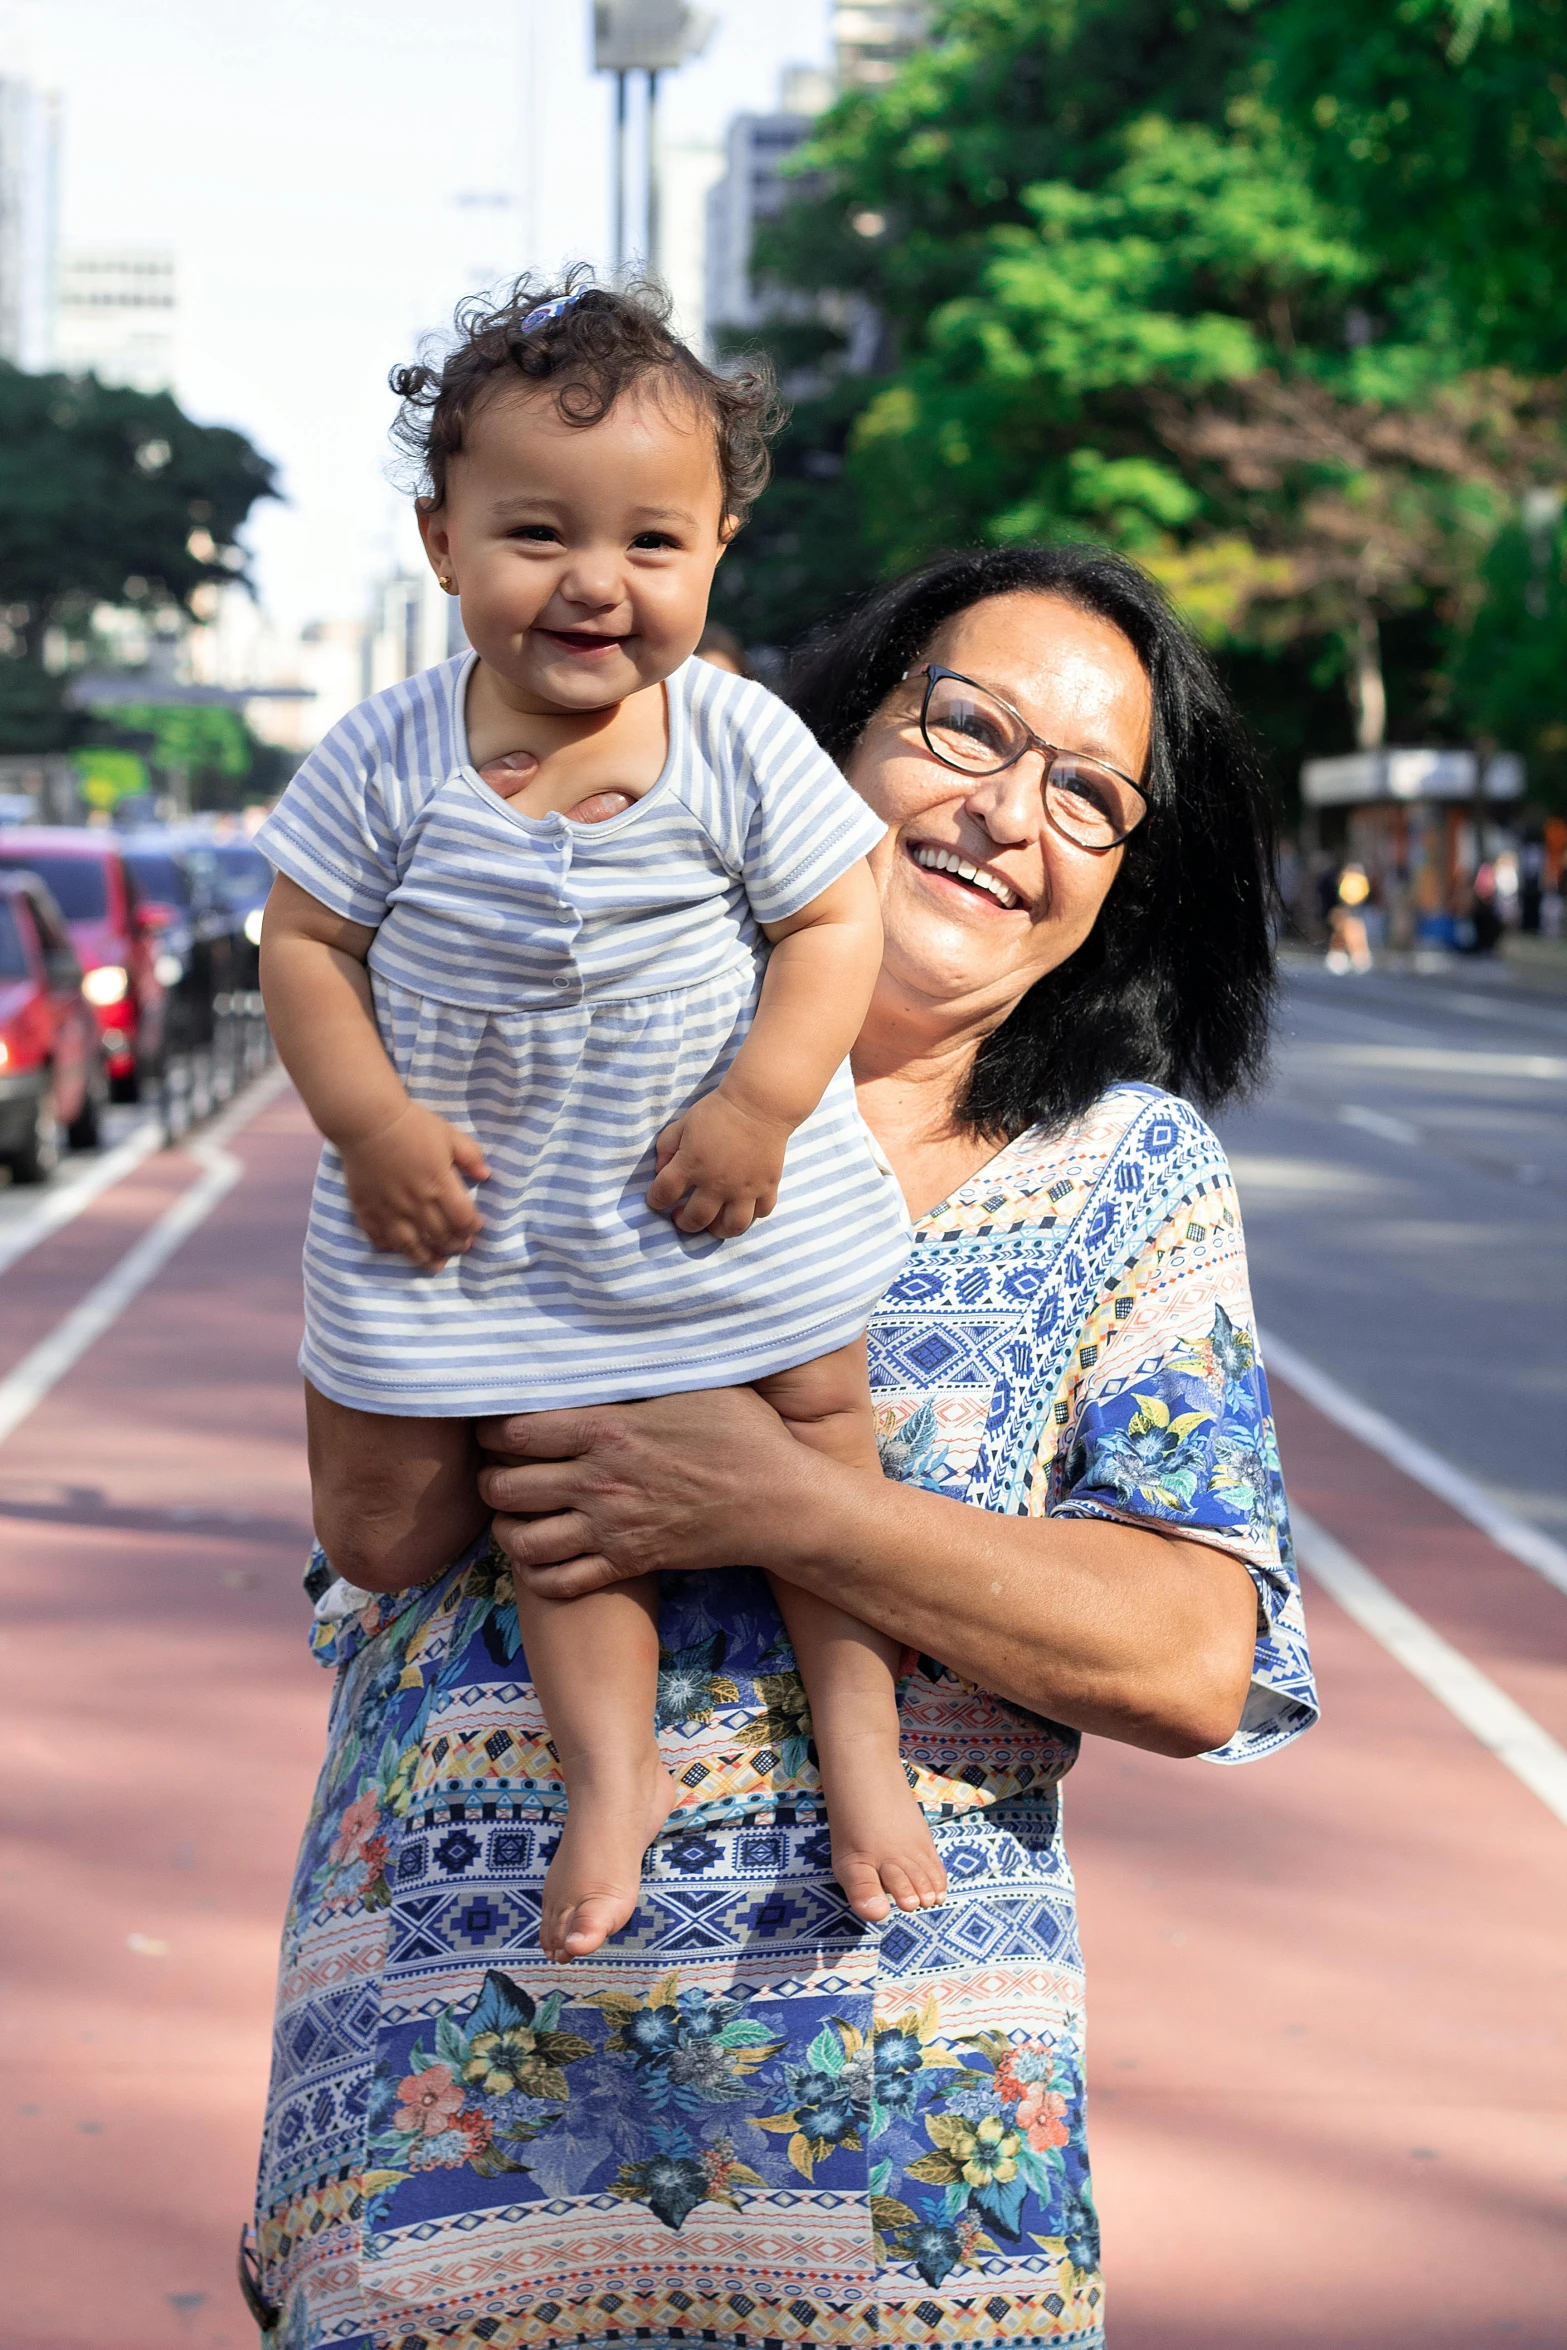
point(118, 315)
point(755, 188)
point(872, 37)
point(29, 217)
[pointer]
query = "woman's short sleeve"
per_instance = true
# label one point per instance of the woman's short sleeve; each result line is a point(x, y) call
point(791, 825)
point(1168, 1425)
point(332, 831)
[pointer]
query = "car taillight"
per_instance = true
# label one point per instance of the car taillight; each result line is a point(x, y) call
point(106, 985)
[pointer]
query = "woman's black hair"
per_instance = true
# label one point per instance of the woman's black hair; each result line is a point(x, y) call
point(1174, 984)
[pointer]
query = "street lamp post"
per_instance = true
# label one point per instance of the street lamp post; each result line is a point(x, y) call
point(650, 37)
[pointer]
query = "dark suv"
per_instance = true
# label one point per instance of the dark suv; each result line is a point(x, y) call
point(199, 937)
point(51, 1056)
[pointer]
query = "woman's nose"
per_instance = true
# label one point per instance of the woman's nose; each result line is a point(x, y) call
point(1011, 805)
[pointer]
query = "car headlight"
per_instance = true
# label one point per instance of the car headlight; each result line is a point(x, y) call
point(253, 926)
point(168, 970)
point(106, 985)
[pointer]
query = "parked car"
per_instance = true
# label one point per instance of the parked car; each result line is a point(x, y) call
point(198, 936)
point(116, 945)
point(52, 1079)
point(243, 878)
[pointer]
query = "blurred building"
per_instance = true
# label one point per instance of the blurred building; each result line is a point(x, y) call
point(754, 188)
point(870, 40)
point(118, 315)
point(872, 37)
point(29, 221)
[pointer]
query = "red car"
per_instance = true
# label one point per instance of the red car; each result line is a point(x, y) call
point(51, 1057)
point(116, 938)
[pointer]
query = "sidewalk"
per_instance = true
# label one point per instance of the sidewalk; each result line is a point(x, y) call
point(1327, 1992)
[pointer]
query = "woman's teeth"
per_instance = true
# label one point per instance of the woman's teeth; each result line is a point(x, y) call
point(948, 861)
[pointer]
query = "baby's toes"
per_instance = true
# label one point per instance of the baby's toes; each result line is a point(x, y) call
point(931, 1879)
point(590, 1922)
point(899, 1879)
point(862, 1889)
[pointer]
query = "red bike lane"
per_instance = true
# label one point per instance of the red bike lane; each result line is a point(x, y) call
point(1327, 1992)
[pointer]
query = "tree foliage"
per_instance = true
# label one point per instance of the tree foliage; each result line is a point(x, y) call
point(1200, 278)
point(107, 496)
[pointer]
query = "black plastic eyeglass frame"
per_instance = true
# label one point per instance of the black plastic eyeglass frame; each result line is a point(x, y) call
point(933, 673)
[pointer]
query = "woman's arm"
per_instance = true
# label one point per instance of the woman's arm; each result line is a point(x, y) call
point(1130, 1634)
point(400, 1162)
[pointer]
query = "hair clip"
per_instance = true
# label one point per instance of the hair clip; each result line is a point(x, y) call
point(548, 310)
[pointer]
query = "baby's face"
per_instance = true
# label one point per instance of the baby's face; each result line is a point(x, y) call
point(583, 554)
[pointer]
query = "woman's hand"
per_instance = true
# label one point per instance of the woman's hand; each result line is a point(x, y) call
point(1132, 1634)
point(600, 1495)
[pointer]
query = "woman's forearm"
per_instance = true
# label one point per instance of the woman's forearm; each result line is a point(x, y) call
point(1109, 1628)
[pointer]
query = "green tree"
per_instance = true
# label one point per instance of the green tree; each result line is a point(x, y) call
point(206, 749)
point(1100, 235)
point(1440, 128)
point(107, 496)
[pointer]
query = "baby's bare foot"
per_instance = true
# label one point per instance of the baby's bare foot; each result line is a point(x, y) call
point(591, 1885)
point(883, 1854)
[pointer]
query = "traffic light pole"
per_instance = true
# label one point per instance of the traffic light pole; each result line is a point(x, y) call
point(620, 175)
point(653, 190)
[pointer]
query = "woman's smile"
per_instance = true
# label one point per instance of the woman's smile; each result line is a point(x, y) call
point(949, 870)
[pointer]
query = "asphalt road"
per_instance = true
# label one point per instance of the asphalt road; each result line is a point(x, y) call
point(1404, 1186)
point(1327, 2055)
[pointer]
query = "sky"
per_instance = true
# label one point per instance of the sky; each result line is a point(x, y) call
point(332, 175)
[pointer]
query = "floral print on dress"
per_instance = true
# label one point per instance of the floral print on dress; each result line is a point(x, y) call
point(751, 2118)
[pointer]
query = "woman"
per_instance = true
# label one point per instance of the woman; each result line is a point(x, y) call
point(751, 2120)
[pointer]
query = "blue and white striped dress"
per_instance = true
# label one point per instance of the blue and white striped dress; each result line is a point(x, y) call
point(562, 991)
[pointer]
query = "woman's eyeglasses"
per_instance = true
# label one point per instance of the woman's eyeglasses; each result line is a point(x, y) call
point(969, 728)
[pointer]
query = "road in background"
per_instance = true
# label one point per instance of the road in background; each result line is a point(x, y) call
point(1326, 2052)
point(1404, 1186)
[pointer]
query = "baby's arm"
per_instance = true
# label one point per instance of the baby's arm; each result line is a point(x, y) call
point(719, 1166)
point(400, 1162)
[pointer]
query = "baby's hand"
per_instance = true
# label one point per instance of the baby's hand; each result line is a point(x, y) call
point(718, 1167)
point(404, 1185)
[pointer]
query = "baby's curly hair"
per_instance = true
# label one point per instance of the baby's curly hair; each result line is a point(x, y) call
point(596, 347)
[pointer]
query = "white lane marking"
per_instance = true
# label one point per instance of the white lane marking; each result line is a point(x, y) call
point(1472, 1697)
point(1510, 1533)
point(1378, 1123)
point(1442, 1060)
point(59, 1207)
point(46, 1364)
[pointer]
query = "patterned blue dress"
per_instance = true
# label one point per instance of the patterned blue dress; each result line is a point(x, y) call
point(751, 2120)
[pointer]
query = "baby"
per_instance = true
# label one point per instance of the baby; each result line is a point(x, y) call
point(586, 923)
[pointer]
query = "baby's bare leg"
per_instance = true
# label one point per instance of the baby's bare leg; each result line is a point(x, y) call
point(594, 1663)
point(882, 1850)
point(394, 1500)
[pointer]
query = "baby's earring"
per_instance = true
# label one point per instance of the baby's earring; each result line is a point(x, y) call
point(444, 579)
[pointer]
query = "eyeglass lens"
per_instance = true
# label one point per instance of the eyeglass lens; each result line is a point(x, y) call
point(970, 729)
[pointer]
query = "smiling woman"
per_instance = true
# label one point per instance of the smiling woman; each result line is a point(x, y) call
point(757, 2115)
